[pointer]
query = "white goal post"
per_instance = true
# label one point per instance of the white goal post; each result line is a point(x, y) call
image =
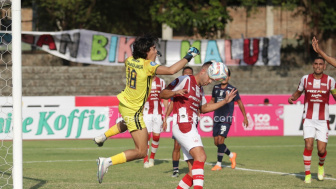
point(17, 95)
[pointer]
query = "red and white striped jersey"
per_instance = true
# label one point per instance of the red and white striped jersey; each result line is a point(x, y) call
point(317, 92)
point(185, 107)
point(153, 103)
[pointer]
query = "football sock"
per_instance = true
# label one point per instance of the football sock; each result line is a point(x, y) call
point(220, 153)
point(186, 182)
point(149, 137)
point(155, 145)
point(322, 158)
point(119, 158)
point(176, 165)
point(198, 174)
point(307, 155)
point(112, 131)
point(227, 151)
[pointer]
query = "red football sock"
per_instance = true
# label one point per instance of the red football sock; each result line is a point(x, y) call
point(186, 182)
point(307, 155)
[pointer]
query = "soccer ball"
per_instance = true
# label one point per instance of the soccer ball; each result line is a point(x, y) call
point(218, 71)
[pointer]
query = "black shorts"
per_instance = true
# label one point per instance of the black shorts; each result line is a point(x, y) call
point(221, 129)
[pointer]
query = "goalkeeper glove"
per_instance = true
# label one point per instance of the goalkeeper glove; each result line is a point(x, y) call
point(192, 52)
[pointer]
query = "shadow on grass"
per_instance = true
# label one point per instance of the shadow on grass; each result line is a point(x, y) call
point(301, 176)
point(40, 183)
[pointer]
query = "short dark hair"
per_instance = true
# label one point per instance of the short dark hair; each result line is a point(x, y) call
point(188, 67)
point(229, 72)
point(319, 57)
point(142, 45)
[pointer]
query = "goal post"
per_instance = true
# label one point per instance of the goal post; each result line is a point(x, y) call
point(17, 95)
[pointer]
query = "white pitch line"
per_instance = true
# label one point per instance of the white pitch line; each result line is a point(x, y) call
point(206, 163)
point(272, 172)
point(212, 146)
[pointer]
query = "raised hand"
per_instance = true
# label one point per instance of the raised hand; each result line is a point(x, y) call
point(192, 52)
point(229, 96)
point(315, 45)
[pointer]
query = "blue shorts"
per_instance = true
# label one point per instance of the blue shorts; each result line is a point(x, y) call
point(221, 129)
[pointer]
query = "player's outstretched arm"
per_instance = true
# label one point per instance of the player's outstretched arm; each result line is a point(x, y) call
point(164, 70)
point(317, 49)
point(209, 107)
point(294, 96)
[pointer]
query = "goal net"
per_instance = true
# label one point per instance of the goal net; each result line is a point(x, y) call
point(10, 95)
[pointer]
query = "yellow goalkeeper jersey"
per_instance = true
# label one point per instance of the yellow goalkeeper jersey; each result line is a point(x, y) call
point(139, 76)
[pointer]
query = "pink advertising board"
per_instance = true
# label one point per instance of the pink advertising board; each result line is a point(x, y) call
point(263, 121)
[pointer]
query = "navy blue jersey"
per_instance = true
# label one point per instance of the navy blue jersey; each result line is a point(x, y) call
point(224, 113)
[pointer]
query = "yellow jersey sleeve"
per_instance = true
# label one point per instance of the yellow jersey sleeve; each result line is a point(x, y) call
point(150, 67)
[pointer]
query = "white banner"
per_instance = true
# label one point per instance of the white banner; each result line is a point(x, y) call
point(293, 120)
point(85, 46)
point(58, 123)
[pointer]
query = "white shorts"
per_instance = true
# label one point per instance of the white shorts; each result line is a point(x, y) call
point(317, 129)
point(153, 122)
point(187, 140)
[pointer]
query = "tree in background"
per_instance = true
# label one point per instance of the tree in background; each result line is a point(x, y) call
point(202, 18)
point(198, 19)
point(129, 17)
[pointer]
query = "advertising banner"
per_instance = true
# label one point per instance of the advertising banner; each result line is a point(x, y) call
point(93, 47)
point(57, 123)
point(263, 121)
point(293, 122)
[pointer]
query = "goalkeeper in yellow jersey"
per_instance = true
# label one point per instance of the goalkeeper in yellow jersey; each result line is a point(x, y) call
point(140, 71)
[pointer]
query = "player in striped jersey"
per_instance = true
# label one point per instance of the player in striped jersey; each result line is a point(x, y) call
point(153, 112)
point(317, 87)
point(177, 147)
point(188, 96)
point(140, 70)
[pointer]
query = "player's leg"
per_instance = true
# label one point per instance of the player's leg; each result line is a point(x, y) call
point(220, 152)
point(157, 127)
point(192, 147)
point(176, 158)
point(114, 130)
point(307, 156)
point(187, 180)
point(138, 130)
point(309, 133)
point(199, 157)
point(322, 153)
point(149, 126)
point(322, 140)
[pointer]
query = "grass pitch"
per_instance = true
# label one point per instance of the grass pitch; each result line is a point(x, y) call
point(262, 162)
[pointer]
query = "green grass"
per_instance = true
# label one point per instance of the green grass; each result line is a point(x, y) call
point(262, 162)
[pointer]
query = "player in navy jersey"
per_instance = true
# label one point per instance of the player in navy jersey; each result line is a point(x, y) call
point(317, 88)
point(223, 120)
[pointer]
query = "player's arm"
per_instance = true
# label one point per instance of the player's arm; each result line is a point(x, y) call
point(317, 49)
point(164, 70)
point(212, 100)
point(165, 105)
point(167, 93)
point(294, 96)
point(208, 107)
point(242, 109)
point(168, 112)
